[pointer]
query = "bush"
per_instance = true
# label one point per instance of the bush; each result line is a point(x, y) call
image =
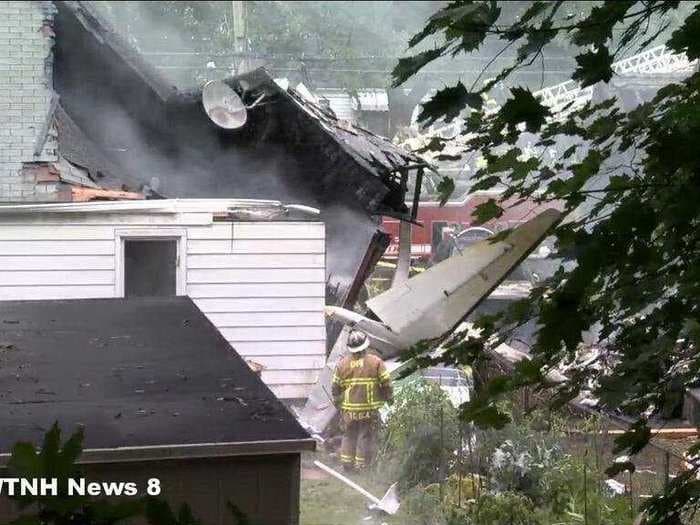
point(417, 436)
point(508, 507)
point(520, 475)
point(422, 507)
point(521, 464)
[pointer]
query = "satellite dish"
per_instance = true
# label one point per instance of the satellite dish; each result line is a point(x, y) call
point(223, 105)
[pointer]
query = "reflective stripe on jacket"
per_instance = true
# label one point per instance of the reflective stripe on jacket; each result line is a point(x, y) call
point(361, 383)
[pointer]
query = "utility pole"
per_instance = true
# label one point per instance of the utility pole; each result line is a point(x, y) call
point(239, 36)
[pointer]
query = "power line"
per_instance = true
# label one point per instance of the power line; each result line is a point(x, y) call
point(369, 71)
point(303, 58)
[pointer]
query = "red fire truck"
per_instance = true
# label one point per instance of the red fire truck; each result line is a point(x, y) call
point(455, 219)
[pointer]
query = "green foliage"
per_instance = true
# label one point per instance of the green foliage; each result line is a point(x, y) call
point(685, 40)
point(507, 507)
point(58, 460)
point(445, 188)
point(530, 458)
point(421, 428)
point(598, 28)
point(486, 211)
point(422, 507)
point(409, 65)
point(594, 67)
point(631, 182)
point(158, 512)
point(448, 102)
point(520, 465)
point(523, 107)
point(526, 472)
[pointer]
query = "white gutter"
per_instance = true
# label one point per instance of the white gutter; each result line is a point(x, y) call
point(169, 206)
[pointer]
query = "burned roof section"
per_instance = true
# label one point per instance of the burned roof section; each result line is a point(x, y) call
point(160, 142)
point(290, 149)
point(113, 45)
point(78, 149)
point(135, 372)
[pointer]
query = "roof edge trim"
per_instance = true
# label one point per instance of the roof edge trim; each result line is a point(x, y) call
point(192, 451)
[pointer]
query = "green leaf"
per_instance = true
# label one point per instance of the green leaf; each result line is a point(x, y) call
point(537, 38)
point(528, 371)
point(24, 460)
point(158, 512)
point(445, 157)
point(484, 414)
point(445, 188)
point(444, 18)
point(448, 103)
point(597, 28)
point(635, 439)
point(618, 467)
point(533, 11)
point(486, 183)
point(593, 67)
point(569, 151)
point(486, 211)
point(237, 514)
point(523, 107)
point(50, 449)
point(434, 144)
point(469, 24)
point(409, 66)
point(685, 39)
point(72, 449)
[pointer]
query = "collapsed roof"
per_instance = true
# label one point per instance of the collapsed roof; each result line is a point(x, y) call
point(146, 372)
point(123, 123)
point(144, 132)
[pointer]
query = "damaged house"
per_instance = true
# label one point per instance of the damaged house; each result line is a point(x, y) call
point(90, 120)
point(255, 268)
point(106, 125)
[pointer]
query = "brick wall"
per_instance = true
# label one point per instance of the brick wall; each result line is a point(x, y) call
point(26, 40)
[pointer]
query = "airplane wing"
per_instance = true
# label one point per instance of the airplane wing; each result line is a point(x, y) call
point(434, 302)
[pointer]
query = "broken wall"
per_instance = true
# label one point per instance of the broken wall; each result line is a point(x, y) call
point(27, 144)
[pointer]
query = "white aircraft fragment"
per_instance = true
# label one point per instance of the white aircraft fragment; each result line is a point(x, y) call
point(434, 302)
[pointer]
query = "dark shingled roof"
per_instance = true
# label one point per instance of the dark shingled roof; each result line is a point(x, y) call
point(107, 37)
point(135, 372)
point(79, 149)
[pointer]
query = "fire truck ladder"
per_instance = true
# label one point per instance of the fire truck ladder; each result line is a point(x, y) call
point(657, 60)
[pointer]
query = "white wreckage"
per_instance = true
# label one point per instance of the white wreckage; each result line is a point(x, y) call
point(429, 306)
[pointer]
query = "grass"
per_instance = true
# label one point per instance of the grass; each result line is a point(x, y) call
point(330, 502)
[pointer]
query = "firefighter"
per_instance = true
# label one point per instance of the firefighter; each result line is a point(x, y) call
point(361, 385)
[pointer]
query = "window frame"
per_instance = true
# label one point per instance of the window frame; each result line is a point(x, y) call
point(151, 234)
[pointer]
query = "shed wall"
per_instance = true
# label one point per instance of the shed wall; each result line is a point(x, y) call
point(265, 488)
point(262, 284)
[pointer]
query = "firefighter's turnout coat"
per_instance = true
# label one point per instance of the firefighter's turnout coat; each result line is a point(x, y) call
point(361, 385)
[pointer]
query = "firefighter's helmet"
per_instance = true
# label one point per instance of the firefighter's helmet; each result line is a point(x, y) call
point(357, 341)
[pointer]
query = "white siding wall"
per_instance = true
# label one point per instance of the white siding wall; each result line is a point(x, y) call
point(262, 284)
point(265, 290)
